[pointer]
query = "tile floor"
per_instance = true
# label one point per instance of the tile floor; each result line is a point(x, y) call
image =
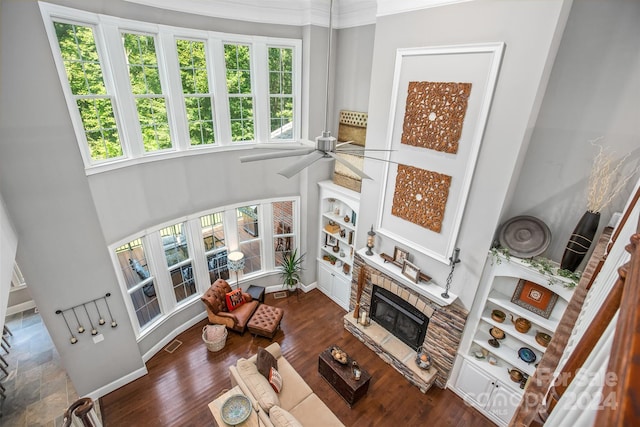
point(38, 389)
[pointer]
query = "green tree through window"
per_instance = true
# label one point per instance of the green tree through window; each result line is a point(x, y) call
point(95, 105)
point(195, 87)
point(281, 92)
point(144, 76)
point(238, 64)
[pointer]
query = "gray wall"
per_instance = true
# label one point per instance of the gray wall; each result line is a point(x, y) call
point(65, 220)
point(593, 92)
point(531, 31)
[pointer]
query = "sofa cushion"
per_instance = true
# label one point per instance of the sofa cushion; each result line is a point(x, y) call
point(265, 362)
point(275, 379)
point(258, 385)
point(281, 418)
point(313, 412)
point(234, 299)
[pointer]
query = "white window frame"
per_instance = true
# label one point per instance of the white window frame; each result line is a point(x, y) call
point(157, 265)
point(108, 32)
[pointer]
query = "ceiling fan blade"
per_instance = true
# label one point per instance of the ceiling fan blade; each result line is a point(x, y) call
point(293, 169)
point(284, 146)
point(341, 143)
point(350, 166)
point(275, 155)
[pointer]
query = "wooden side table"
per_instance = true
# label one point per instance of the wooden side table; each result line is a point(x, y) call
point(216, 406)
point(340, 377)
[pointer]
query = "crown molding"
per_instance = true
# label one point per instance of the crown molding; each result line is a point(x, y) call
point(347, 13)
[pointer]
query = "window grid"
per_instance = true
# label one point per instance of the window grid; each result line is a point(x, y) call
point(144, 76)
point(283, 236)
point(213, 237)
point(281, 93)
point(176, 252)
point(248, 227)
point(238, 69)
point(195, 87)
point(86, 81)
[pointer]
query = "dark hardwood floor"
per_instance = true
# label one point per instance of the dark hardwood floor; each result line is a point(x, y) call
point(180, 385)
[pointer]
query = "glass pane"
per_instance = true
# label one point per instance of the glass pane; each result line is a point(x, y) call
point(152, 113)
point(217, 265)
point(133, 263)
point(183, 283)
point(282, 245)
point(282, 229)
point(212, 231)
point(174, 244)
point(140, 51)
point(251, 251)
point(146, 304)
point(100, 127)
point(247, 220)
point(241, 113)
point(237, 62)
point(281, 91)
point(193, 66)
point(200, 117)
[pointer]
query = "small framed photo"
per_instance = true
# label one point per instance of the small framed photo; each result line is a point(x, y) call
point(400, 255)
point(411, 271)
point(331, 241)
point(535, 298)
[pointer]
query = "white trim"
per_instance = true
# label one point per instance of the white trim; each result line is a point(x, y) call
point(392, 7)
point(114, 385)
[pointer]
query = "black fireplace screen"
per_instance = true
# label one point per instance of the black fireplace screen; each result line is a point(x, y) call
point(399, 317)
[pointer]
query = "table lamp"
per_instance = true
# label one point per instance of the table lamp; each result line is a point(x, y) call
point(235, 262)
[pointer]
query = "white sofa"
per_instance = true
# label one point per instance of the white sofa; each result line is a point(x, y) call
point(295, 405)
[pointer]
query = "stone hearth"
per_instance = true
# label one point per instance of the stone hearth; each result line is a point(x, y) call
point(446, 324)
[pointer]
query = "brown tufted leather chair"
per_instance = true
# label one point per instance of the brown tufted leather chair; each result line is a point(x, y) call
point(215, 302)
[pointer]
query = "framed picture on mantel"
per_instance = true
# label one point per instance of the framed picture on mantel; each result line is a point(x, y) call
point(411, 271)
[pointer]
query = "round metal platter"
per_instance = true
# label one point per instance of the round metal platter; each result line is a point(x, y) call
point(236, 409)
point(525, 236)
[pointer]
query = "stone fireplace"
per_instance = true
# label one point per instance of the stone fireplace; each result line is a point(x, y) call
point(399, 317)
point(444, 325)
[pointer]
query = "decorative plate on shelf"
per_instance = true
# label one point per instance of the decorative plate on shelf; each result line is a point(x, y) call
point(527, 355)
point(525, 236)
point(235, 409)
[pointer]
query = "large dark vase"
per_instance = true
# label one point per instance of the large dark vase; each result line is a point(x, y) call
point(580, 241)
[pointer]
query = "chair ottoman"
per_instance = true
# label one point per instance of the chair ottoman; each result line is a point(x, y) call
point(265, 321)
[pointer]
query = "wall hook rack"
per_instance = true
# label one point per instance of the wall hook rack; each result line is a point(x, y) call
point(97, 315)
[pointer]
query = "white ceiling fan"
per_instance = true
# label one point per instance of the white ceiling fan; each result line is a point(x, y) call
point(325, 147)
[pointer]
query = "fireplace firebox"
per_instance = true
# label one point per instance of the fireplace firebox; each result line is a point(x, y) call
point(399, 317)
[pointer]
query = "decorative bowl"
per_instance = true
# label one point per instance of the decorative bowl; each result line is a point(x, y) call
point(498, 315)
point(543, 339)
point(423, 359)
point(235, 409)
point(339, 355)
point(527, 355)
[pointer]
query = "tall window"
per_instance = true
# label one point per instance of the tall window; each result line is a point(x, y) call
point(212, 229)
point(135, 88)
point(139, 282)
point(176, 253)
point(283, 232)
point(84, 74)
point(237, 59)
point(144, 76)
point(281, 92)
point(248, 236)
point(195, 87)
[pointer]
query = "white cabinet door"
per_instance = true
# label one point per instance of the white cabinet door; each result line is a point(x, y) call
point(341, 289)
point(324, 279)
point(476, 385)
point(502, 403)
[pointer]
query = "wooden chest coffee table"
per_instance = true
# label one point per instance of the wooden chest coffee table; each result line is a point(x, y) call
point(340, 377)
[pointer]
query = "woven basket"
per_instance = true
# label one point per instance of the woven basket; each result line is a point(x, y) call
point(220, 333)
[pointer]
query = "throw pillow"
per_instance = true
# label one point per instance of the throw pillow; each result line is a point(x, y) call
point(275, 379)
point(258, 385)
point(282, 418)
point(234, 299)
point(265, 361)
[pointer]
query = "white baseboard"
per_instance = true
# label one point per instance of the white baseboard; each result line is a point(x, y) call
point(279, 288)
point(96, 394)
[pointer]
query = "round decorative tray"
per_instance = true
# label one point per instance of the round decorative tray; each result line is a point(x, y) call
point(235, 409)
point(525, 236)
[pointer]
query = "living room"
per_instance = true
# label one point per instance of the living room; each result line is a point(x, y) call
point(553, 95)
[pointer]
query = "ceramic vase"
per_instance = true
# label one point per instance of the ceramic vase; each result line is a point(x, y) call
point(580, 241)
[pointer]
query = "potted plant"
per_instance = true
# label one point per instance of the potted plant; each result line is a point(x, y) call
point(290, 268)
